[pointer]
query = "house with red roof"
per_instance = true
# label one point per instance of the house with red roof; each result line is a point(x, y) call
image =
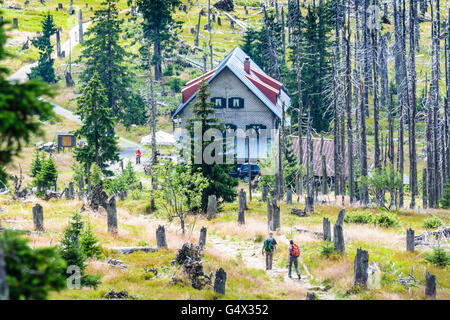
point(245, 98)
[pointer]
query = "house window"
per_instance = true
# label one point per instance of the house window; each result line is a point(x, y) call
point(230, 144)
point(261, 137)
point(219, 103)
point(236, 103)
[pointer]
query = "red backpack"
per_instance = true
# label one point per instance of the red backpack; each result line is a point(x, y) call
point(295, 251)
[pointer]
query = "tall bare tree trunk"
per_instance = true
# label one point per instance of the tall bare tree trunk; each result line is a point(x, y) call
point(151, 104)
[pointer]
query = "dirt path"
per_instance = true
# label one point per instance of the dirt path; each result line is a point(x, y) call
point(250, 253)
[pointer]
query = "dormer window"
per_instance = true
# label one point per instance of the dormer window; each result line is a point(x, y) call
point(219, 103)
point(236, 103)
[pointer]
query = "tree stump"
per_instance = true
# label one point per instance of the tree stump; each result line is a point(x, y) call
point(264, 193)
point(161, 241)
point(111, 211)
point(289, 196)
point(339, 244)
point(309, 204)
point(241, 207)
point(38, 217)
point(276, 224)
point(430, 286)
point(219, 21)
point(410, 242)
point(326, 229)
point(15, 23)
point(311, 296)
point(220, 281)
point(60, 6)
point(212, 207)
point(361, 266)
point(202, 240)
point(4, 290)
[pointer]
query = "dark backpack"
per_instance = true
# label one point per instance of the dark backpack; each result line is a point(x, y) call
point(268, 245)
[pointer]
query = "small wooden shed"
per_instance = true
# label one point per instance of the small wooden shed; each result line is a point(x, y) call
point(66, 140)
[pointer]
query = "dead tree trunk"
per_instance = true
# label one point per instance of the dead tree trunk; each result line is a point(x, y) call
point(361, 265)
point(410, 240)
point(220, 281)
point(276, 224)
point(269, 214)
point(80, 26)
point(424, 188)
point(326, 229)
point(339, 244)
point(202, 239)
point(198, 29)
point(289, 196)
point(38, 217)
point(161, 241)
point(241, 208)
point(264, 193)
point(430, 286)
point(112, 215)
point(212, 207)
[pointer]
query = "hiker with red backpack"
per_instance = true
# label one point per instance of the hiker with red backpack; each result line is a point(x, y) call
point(294, 253)
point(269, 247)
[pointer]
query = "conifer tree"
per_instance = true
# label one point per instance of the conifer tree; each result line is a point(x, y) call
point(97, 128)
point(158, 27)
point(220, 183)
point(103, 54)
point(44, 70)
point(445, 200)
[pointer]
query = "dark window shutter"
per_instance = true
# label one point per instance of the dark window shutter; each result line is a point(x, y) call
point(236, 103)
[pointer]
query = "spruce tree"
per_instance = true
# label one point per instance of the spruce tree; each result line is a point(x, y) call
point(220, 183)
point(47, 177)
point(44, 70)
point(103, 54)
point(97, 128)
point(158, 27)
point(36, 164)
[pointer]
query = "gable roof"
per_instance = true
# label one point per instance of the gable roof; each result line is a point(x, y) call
point(268, 90)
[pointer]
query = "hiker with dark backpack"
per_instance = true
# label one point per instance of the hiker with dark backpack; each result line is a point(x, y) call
point(294, 253)
point(269, 248)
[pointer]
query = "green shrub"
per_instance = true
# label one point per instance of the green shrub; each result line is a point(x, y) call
point(359, 217)
point(386, 220)
point(439, 257)
point(327, 249)
point(432, 223)
point(383, 219)
point(445, 200)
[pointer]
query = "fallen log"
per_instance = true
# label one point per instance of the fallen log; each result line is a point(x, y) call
point(128, 250)
point(299, 212)
point(423, 237)
point(317, 234)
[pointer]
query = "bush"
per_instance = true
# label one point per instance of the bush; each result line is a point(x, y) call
point(432, 223)
point(359, 217)
point(439, 257)
point(386, 220)
point(327, 249)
